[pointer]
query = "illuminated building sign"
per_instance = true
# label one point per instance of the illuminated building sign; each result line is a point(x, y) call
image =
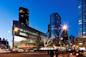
point(23, 34)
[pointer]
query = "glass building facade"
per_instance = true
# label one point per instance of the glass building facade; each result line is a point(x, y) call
point(24, 15)
point(55, 24)
point(82, 17)
point(24, 36)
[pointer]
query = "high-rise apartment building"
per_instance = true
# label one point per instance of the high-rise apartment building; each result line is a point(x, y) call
point(23, 16)
point(55, 25)
point(82, 17)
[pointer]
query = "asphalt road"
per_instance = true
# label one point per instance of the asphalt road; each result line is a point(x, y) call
point(34, 54)
point(24, 55)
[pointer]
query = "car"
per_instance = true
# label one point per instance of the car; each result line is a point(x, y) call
point(82, 49)
point(4, 50)
point(20, 50)
point(15, 50)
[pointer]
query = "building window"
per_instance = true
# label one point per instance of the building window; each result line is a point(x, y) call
point(79, 6)
point(80, 21)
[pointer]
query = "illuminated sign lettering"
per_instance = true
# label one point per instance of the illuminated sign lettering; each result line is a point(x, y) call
point(23, 34)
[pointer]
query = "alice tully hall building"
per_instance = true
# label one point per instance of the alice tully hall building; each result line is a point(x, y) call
point(25, 36)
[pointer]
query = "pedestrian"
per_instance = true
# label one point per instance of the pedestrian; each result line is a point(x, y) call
point(51, 53)
point(48, 52)
point(81, 55)
point(56, 52)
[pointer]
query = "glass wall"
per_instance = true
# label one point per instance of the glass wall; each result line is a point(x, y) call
point(82, 17)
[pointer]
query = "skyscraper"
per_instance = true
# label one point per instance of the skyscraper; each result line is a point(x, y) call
point(64, 35)
point(82, 17)
point(55, 25)
point(49, 31)
point(23, 15)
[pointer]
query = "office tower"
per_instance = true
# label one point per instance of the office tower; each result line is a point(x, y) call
point(23, 16)
point(49, 31)
point(82, 17)
point(55, 25)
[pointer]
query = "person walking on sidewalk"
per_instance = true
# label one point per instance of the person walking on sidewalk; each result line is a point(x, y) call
point(56, 52)
point(51, 53)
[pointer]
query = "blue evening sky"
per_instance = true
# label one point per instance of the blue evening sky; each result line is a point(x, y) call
point(40, 11)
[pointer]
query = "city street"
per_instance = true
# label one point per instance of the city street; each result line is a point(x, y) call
point(43, 28)
point(34, 54)
point(24, 55)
